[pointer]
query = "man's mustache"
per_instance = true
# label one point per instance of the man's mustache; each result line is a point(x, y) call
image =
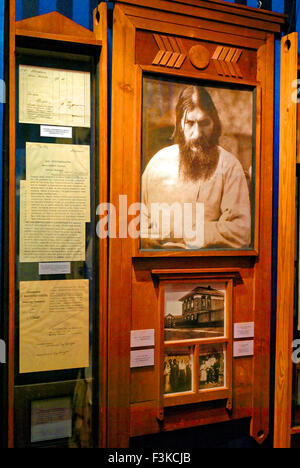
point(202, 143)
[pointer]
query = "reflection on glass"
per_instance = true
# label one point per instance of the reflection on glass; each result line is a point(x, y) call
point(77, 380)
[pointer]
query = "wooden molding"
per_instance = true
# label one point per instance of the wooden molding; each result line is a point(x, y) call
point(55, 26)
point(216, 10)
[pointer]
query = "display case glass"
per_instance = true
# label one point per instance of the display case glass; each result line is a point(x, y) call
point(57, 288)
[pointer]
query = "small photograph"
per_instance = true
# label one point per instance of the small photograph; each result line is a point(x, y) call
point(194, 311)
point(178, 371)
point(212, 369)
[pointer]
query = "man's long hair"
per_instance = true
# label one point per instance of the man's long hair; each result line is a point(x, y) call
point(192, 97)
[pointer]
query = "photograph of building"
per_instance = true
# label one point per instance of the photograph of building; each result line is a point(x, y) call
point(202, 312)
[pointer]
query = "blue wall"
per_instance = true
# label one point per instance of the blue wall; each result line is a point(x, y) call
point(2, 98)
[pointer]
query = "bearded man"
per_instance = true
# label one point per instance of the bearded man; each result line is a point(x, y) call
point(196, 171)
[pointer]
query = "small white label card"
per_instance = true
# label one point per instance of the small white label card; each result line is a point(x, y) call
point(142, 358)
point(55, 131)
point(244, 330)
point(142, 338)
point(243, 348)
point(55, 268)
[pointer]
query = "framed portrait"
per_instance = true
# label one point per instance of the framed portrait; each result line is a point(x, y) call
point(197, 165)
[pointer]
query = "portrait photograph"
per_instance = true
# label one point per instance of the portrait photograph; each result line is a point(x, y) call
point(178, 371)
point(194, 311)
point(197, 165)
point(212, 369)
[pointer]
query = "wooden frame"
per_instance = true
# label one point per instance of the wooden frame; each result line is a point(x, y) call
point(196, 394)
point(132, 407)
point(61, 34)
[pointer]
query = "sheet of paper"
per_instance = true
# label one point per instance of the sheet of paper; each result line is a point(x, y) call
point(54, 325)
point(244, 330)
point(243, 348)
point(141, 338)
point(142, 358)
point(56, 200)
point(51, 419)
point(53, 131)
point(49, 241)
point(54, 96)
point(55, 268)
point(67, 167)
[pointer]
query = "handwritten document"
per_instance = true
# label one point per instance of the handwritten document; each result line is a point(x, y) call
point(54, 325)
point(54, 96)
point(49, 241)
point(59, 178)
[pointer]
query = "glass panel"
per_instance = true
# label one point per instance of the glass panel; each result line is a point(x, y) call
point(56, 272)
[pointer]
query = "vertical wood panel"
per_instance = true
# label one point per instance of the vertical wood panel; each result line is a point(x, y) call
point(3, 390)
point(262, 270)
point(119, 311)
point(286, 244)
point(100, 28)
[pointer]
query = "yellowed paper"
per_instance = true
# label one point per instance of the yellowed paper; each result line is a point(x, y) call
point(58, 201)
point(65, 169)
point(49, 241)
point(54, 325)
point(54, 96)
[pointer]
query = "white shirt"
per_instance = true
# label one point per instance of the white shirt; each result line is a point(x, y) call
point(224, 196)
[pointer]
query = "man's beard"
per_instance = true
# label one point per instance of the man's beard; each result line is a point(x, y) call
point(200, 163)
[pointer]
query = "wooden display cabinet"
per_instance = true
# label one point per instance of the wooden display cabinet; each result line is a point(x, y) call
point(55, 41)
point(159, 48)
